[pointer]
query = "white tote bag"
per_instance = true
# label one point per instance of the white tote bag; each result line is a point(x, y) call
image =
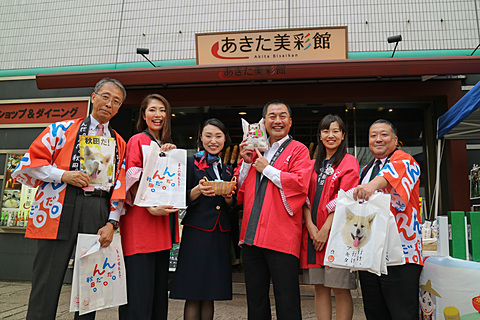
point(358, 234)
point(99, 279)
point(164, 178)
point(394, 254)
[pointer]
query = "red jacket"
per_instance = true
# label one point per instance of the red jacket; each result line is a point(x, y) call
point(279, 226)
point(345, 177)
point(142, 232)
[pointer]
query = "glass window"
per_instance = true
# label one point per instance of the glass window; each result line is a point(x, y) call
point(17, 198)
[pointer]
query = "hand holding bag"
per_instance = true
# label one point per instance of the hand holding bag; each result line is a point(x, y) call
point(358, 237)
point(164, 178)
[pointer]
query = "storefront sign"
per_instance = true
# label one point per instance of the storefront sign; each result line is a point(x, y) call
point(253, 72)
point(36, 112)
point(272, 46)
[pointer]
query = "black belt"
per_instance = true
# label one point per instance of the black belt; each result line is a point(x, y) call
point(97, 193)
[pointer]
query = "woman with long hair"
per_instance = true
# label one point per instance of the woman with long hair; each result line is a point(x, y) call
point(332, 170)
point(147, 233)
point(203, 272)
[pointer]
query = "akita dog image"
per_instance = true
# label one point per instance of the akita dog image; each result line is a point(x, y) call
point(96, 165)
point(357, 230)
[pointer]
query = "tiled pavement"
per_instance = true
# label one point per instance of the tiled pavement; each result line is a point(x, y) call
point(14, 301)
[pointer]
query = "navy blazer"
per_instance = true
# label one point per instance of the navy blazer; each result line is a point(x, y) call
point(204, 212)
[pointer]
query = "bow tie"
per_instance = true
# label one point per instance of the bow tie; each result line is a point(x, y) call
point(210, 158)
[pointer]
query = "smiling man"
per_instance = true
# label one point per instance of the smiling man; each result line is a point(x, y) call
point(394, 295)
point(65, 204)
point(273, 189)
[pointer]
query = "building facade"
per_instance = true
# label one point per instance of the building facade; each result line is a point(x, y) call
point(55, 51)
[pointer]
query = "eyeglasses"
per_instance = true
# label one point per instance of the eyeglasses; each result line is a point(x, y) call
point(106, 98)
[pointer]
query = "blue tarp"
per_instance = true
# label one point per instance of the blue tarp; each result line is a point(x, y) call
point(459, 112)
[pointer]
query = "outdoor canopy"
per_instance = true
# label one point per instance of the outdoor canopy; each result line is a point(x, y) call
point(462, 121)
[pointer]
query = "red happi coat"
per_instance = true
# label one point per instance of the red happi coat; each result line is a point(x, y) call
point(141, 231)
point(280, 224)
point(54, 146)
point(403, 174)
point(345, 177)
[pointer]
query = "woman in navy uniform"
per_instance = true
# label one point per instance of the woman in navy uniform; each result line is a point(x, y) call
point(203, 272)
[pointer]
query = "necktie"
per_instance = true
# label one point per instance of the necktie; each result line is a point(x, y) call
point(375, 170)
point(219, 168)
point(100, 130)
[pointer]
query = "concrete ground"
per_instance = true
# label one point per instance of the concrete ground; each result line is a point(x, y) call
point(14, 301)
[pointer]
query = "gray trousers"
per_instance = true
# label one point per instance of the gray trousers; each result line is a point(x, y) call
point(52, 257)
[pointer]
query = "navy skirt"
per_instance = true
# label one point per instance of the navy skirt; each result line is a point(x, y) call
point(204, 269)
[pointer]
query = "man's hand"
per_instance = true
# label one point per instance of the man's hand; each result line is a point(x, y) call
point(162, 210)
point(261, 163)
point(246, 152)
point(365, 191)
point(106, 235)
point(76, 178)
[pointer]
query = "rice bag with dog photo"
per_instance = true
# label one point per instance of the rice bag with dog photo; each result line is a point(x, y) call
point(255, 134)
point(97, 160)
point(358, 236)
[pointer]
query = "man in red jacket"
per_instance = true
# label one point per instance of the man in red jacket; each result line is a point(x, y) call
point(273, 189)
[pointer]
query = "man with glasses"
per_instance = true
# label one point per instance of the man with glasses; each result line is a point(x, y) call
point(66, 203)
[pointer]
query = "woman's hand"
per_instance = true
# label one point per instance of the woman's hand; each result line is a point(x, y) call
point(207, 191)
point(162, 210)
point(229, 197)
point(312, 230)
point(167, 146)
point(321, 238)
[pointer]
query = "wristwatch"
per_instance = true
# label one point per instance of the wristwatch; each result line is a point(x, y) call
point(114, 223)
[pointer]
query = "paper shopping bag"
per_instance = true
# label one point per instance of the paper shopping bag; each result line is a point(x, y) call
point(164, 178)
point(99, 279)
point(358, 234)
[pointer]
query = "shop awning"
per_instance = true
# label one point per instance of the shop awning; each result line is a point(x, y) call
point(348, 69)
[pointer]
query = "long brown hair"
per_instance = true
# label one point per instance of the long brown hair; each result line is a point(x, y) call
point(322, 152)
point(165, 135)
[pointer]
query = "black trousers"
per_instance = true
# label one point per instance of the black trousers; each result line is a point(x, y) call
point(52, 257)
point(393, 296)
point(261, 265)
point(147, 285)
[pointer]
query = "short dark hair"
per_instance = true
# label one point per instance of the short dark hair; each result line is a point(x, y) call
point(115, 82)
point(321, 151)
point(165, 136)
point(394, 129)
point(219, 124)
point(268, 104)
